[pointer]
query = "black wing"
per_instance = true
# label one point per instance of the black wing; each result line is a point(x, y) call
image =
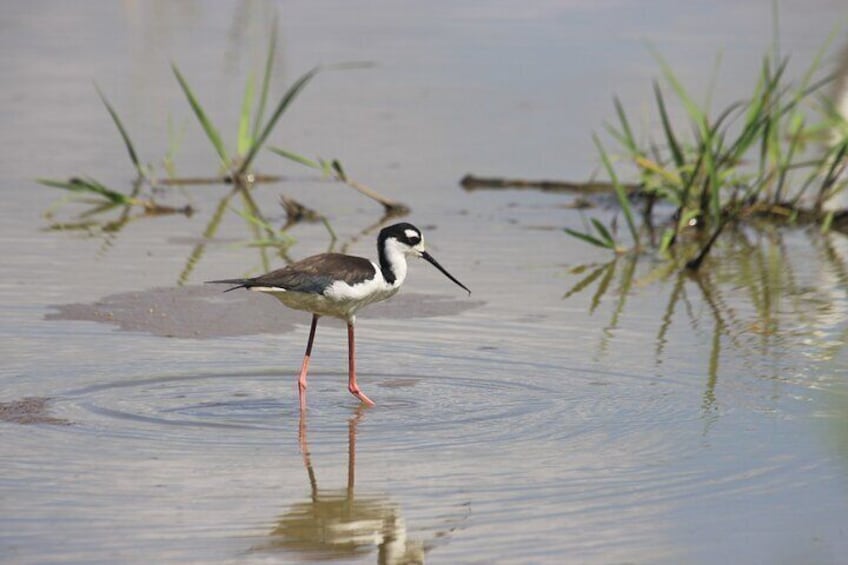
point(311, 275)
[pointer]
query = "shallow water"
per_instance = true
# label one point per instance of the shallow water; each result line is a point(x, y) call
point(645, 417)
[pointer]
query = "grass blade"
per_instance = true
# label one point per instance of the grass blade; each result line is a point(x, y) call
point(588, 238)
point(89, 185)
point(837, 157)
point(670, 138)
point(297, 158)
point(696, 114)
point(667, 239)
point(284, 103)
point(785, 165)
point(711, 85)
point(620, 191)
point(266, 80)
point(620, 137)
point(205, 123)
point(121, 129)
point(605, 234)
point(627, 138)
point(654, 167)
point(245, 140)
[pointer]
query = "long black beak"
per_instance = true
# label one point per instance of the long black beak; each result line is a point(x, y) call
point(429, 258)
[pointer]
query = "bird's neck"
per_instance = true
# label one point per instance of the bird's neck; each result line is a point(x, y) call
point(392, 264)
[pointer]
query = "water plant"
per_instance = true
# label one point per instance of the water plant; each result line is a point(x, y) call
point(257, 121)
point(753, 159)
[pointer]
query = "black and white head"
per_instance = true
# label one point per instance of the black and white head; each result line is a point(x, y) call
point(404, 238)
point(400, 240)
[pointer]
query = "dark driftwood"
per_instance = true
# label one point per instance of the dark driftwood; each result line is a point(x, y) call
point(390, 206)
point(472, 182)
point(781, 212)
point(802, 216)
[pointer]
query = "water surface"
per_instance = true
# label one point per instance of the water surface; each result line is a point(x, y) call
point(644, 417)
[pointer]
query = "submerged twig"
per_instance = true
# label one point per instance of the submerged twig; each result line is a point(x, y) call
point(226, 179)
point(389, 206)
point(334, 169)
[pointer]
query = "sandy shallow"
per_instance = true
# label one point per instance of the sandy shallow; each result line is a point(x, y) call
point(205, 312)
point(30, 410)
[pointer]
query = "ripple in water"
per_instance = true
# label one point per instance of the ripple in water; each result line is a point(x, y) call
point(451, 411)
point(183, 408)
point(636, 422)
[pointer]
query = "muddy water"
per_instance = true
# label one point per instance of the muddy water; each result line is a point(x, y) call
point(570, 410)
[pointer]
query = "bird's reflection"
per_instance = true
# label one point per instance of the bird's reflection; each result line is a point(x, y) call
point(337, 524)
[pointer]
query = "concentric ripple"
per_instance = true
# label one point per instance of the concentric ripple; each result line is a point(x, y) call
point(256, 406)
point(413, 411)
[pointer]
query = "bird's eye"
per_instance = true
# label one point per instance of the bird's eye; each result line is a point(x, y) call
point(414, 240)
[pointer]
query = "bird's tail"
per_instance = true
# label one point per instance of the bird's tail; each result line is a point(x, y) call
point(239, 283)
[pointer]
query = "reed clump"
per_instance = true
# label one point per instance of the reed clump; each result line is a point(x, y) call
point(759, 158)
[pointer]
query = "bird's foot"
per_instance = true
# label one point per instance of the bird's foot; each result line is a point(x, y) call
point(354, 390)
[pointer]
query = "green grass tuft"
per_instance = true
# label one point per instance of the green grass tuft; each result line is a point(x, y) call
point(721, 167)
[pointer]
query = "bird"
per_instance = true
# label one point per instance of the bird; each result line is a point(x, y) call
point(340, 285)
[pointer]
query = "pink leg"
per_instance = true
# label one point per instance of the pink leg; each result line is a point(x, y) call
point(301, 380)
point(351, 360)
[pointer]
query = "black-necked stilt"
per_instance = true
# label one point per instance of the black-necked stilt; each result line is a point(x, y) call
point(337, 285)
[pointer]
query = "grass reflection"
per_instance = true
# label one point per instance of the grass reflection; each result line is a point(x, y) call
point(756, 299)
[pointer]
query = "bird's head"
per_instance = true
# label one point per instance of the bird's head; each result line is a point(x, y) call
point(406, 239)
